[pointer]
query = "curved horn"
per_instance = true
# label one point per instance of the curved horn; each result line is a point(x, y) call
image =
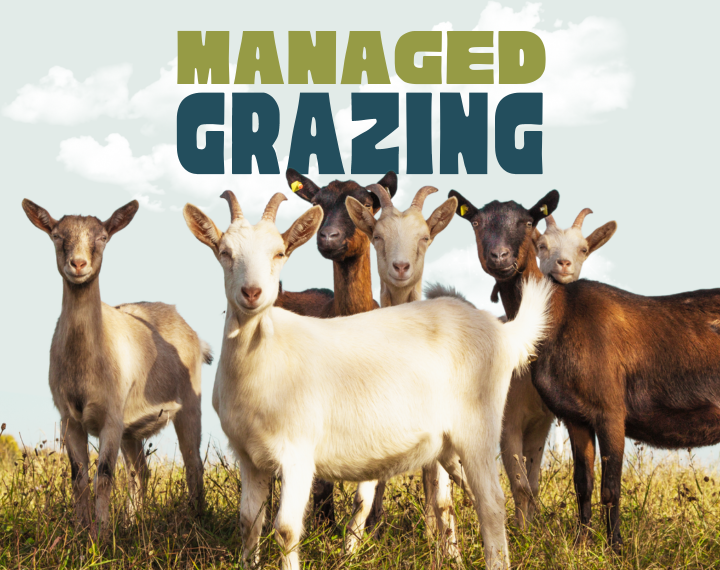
point(581, 218)
point(235, 211)
point(382, 194)
point(423, 193)
point(550, 221)
point(272, 207)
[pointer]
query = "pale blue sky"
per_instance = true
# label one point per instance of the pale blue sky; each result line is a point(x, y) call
point(630, 127)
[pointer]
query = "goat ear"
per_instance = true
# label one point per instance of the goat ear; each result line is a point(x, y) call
point(389, 181)
point(303, 186)
point(442, 216)
point(302, 229)
point(361, 216)
point(121, 218)
point(39, 216)
point(202, 227)
point(464, 208)
point(545, 207)
point(601, 236)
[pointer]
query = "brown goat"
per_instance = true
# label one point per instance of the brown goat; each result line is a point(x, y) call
point(349, 249)
point(614, 363)
point(117, 373)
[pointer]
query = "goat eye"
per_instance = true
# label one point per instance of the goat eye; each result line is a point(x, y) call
point(279, 255)
point(584, 250)
point(368, 206)
point(529, 224)
point(475, 224)
point(103, 238)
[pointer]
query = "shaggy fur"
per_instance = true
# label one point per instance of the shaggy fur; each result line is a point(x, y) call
point(430, 382)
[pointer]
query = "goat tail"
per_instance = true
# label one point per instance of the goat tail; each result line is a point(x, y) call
point(530, 326)
point(438, 290)
point(206, 352)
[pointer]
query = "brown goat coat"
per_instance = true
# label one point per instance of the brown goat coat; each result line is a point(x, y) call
point(618, 364)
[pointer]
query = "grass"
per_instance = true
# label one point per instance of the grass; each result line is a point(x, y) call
point(670, 519)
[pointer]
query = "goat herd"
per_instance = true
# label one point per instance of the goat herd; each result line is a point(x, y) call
point(416, 385)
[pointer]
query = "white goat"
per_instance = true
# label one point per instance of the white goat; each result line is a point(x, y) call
point(527, 420)
point(118, 373)
point(401, 240)
point(430, 381)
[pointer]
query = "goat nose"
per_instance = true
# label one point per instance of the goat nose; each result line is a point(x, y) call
point(401, 267)
point(500, 254)
point(564, 263)
point(252, 294)
point(331, 233)
point(78, 264)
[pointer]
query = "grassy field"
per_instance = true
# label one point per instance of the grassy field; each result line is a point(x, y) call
point(670, 519)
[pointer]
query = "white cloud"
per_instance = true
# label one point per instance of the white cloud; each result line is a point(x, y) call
point(160, 172)
point(61, 99)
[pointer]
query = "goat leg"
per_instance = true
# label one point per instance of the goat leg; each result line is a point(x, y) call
point(612, 448)
point(582, 442)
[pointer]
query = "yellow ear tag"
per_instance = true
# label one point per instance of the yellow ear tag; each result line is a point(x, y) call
point(295, 186)
point(543, 209)
point(463, 209)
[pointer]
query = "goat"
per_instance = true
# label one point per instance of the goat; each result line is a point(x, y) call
point(527, 419)
point(349, 250)
point(614, 363)
point(430, 381)
point(117, 373)
point(401, 240)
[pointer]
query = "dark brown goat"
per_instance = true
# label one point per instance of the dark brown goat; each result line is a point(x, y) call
point(349, 249)
point(614, 364)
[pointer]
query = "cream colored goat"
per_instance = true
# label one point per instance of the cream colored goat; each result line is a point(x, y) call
point(401, 240)
point(117, 373)
point(430, 381)
point(527, 420)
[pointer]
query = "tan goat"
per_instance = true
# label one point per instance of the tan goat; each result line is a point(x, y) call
point(401, 240)
point(117, 373)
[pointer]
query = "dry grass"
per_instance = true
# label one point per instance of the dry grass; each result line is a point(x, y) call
point(670, 519)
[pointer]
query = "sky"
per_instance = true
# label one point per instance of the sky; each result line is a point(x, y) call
point(88, 104)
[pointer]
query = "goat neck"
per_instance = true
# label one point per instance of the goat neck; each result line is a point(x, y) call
point(81, 310)
point(352, 283)
point(393, 296)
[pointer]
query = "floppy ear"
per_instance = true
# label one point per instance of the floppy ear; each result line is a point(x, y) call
point(302, 229)
point(301, 185)
point(361, 216)
point(545, 207)
point(121, 218)
point(442, 216)
point(464, 208)
point(601, 236)
point(202, 227)
point(39, 216)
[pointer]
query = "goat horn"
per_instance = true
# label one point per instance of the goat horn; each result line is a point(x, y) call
point(382, 194)
point(423, 193)
point(581, 218)
point(235, 211)
point(272, 207)
point(550, 221)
